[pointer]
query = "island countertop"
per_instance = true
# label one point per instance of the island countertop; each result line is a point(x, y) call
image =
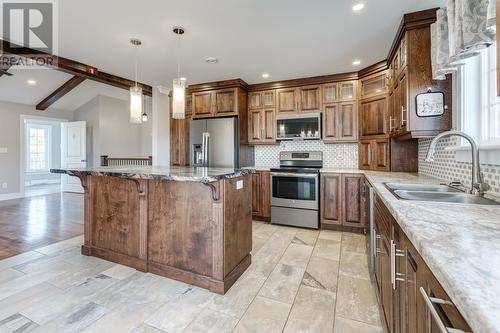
point(178, 173)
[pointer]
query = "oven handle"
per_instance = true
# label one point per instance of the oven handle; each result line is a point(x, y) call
point(286, 174)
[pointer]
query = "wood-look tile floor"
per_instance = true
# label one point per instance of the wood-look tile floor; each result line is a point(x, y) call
point(299, 281)
point(36, 221)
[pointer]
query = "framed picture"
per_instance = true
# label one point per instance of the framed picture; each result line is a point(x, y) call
point(430, 104)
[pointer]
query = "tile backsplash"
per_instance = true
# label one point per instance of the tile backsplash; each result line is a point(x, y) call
point(340, 155)
point(446, 167)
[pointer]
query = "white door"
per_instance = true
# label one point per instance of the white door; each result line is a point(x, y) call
point(73, 153)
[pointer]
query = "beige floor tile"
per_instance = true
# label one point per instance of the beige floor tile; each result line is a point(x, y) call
point(312, 311)
point(9, 274)
point(283, 283)
point(257, 244)
point(144, 328)
point(19, 259)
point(264, 315)
point(119, 272)
point(343, 325)
point(306, 237)
point(327, 249)
point(297, 255)
point(354, 265)
point(330, 235)
point(56, 248)
point(356, 300)
point(269, 255)
point(353, 243)
point(322, 274)
point(210, 321)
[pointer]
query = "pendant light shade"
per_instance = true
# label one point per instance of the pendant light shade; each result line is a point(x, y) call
point(135, 105)
point(136, 92)
point(179, 99)
point(179, 84)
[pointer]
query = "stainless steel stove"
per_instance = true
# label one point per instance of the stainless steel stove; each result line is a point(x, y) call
point(295, 189)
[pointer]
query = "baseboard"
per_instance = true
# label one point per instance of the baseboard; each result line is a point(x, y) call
point(11, 196)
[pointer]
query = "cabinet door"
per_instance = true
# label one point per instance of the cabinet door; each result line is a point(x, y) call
point(373, 115)
point(255, 100)
point(374, 85)
point(365, 152)
point(202, 104)
point(179, 142)
point(265, 194)
point(189, 105)
point(255, 126)
point(286, 100)
point(347, 91)
point(331, 209)
point(412, 289)
point(330, 122)
point(309, 98)
point(225, 102)
point(380, 159)
point(268, 98)
point(330, 92)
point(269, 124)
point(403, 104)
point(256, 194)
point(353, 201)
point(347, 121)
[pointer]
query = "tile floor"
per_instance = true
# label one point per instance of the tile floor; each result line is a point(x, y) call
point(299, 281)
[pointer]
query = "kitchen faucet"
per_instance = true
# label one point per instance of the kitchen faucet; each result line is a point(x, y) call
point(478, 185)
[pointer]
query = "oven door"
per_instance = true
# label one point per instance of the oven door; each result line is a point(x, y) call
point(294, 190)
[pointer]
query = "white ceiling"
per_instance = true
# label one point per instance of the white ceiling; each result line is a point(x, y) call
point(285, 38)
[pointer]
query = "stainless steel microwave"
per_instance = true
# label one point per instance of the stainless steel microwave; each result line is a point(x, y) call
point(299, 127)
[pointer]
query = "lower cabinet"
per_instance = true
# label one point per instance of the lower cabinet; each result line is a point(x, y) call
point(179, 141)
point(343, 201)
point(261, 196)
point(411, 298)
point(374, 154)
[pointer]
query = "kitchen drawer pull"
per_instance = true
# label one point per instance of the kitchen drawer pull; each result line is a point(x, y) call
point(391, 124)
point(430, 301)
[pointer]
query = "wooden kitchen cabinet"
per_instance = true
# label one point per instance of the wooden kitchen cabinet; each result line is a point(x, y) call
point(179, 142)
point(202, 104)
point(261, 99)
point(374, 85)
point(261, 196)
point(226, 102)
point(343, 201)
point(340, 122)
point(331, 199)
point(373, 117)
point(300, 99)
point(374, 155)
point(213, 102)
point(348, 91)
point(309, 98)
point(287, 101)
point(398, 287)
point(262, 118)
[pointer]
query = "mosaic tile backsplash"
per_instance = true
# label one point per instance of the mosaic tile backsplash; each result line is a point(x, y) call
point(447, 168)
point(343, 156)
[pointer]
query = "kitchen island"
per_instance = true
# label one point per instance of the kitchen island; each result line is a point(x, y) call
point(192, 224)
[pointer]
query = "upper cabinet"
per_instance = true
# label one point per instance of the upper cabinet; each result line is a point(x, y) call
point(309, 98)
point(300, 99)
point(203, 105)
point(340, 122)
point(262, 117)
point(374, 85)
point(373, 117)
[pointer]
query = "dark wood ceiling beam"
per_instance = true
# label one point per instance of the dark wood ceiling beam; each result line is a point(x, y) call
point(70, 67)
point(60, 92)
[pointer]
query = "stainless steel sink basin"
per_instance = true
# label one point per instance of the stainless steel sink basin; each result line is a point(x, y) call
point(420, 187)
point(444, 197)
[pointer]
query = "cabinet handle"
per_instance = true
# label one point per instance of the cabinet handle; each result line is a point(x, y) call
point(391, 124)
point(395, 277)
point(403, 112)
point(430, 301)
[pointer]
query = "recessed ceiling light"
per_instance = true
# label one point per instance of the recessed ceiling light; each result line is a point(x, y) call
point(212, 60)
point(265, 75)
point(357, 7)
point(356, 62)
point(182, 79)
point(31, 82)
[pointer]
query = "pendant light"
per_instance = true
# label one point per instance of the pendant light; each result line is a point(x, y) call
point(179, 83)
point(136, 116)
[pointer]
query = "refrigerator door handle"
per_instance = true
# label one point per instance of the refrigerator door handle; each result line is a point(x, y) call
point(205, 147)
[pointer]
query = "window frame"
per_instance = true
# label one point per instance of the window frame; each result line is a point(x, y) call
point(48, 150)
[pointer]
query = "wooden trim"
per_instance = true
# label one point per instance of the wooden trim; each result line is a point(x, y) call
point(373, 69)
point(71, 67)
point(304, 81)
point(60, 92)
point(338, 227)
point(234, 83)
point(411, 21)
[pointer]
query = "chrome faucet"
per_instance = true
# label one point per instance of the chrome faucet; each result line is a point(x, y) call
point(478, 185)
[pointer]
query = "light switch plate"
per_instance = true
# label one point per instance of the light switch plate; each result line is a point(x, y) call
point(239, 184)
point(3, 150)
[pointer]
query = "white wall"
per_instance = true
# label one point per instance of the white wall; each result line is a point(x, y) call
point(109, 131)
point(161, 127)
point(10, 168)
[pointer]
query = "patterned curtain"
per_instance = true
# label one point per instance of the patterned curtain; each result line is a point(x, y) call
point(462, 29)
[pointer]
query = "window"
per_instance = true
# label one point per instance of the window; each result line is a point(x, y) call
point(38, 144)
point(479, 106)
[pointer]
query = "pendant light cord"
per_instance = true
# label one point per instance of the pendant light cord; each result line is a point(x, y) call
point(136, 61)
point(178, 57)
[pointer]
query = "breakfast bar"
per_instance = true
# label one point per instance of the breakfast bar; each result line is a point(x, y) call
point(192, 224)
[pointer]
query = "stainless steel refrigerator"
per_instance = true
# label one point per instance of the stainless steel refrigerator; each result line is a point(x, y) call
point(214, 142)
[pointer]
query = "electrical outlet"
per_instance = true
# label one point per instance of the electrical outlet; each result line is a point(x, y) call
point(4, 185)
point(239, 184)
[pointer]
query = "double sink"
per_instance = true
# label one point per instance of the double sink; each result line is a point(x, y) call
point(435, 193)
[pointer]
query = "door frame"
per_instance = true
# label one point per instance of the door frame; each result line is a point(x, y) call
point(22, 148)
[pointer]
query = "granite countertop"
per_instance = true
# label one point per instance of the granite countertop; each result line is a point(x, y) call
point(195, 174)
point(460, 244)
